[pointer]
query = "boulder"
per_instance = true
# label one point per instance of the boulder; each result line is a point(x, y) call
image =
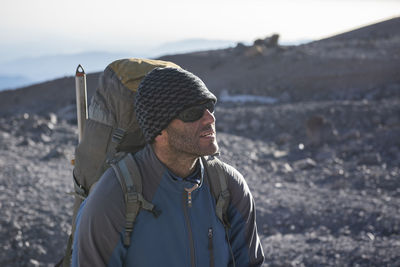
point(319, 130)
point(270, 41)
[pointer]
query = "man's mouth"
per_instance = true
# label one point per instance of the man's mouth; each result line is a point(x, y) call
point(208, 134)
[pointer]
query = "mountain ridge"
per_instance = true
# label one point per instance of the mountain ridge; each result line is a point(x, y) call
point(324, 69)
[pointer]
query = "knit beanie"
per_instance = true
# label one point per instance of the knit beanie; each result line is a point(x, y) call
point(163, 94)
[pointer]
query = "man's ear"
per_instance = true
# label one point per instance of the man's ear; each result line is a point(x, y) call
point(162, 137)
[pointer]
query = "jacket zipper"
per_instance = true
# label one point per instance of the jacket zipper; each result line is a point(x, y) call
point(210, 246)
point(185, 203)
point(189, 194)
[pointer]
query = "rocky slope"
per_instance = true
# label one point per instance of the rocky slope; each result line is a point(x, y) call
point(323, 161)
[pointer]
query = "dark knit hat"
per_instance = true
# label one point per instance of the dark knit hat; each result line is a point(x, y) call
point(162, 94)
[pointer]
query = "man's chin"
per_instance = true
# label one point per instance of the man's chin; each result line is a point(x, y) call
point(211, 149)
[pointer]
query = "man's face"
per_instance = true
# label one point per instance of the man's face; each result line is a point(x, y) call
point(196, 138)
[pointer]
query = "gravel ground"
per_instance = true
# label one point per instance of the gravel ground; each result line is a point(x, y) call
point(34, 185)
point(335, 202)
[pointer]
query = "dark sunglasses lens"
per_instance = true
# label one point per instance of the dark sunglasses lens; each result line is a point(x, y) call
point(195, 113)
point(191, 114)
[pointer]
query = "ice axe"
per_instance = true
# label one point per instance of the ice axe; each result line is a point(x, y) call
point(81, 114)
point(81, 99)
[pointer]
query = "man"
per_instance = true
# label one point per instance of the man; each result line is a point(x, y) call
point(174, 109)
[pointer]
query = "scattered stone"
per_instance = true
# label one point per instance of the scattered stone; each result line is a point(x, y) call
point(287, 167)
point(55, 153)
point(352, 134)
point(45, 128)
point(4, 135)
point(34, 262)
point(280, 154)
point(45, 138)
point(305, 164)
point(26, 142)
point(319, 130)
point(371, 236)
point(52, 118)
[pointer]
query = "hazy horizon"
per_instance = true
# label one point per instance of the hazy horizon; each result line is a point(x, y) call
point(44, 27)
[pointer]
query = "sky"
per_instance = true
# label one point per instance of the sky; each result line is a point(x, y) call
point(44, 27)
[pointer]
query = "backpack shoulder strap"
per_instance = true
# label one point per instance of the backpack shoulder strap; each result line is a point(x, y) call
point(218, 179)
point(129, 177)
point(219, 185)
point(117, 137)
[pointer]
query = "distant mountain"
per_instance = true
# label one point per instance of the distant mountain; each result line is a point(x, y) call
point(13, 81)
point(32, 70)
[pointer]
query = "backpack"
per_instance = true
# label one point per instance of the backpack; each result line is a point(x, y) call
point(111, 135)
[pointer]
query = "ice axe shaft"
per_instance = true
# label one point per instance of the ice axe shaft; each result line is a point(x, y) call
point(81, 99)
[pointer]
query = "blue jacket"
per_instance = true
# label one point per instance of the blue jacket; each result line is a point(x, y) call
point(183, 235)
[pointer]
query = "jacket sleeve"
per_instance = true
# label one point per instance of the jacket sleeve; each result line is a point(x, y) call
point(97, 238)
point(243, 235)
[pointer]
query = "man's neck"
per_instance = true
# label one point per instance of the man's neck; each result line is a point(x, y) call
point(180, 164)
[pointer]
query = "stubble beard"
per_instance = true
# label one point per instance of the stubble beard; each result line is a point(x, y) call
point(189, 143)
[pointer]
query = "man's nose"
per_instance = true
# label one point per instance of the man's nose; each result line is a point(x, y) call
point(208, 117)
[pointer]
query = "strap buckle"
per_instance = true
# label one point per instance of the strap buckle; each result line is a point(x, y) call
point(117, 135)
point(132, 196)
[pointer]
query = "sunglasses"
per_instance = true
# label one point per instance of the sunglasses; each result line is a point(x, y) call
point(194, 113)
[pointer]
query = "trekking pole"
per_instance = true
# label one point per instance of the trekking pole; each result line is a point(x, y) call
point(81, 99)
